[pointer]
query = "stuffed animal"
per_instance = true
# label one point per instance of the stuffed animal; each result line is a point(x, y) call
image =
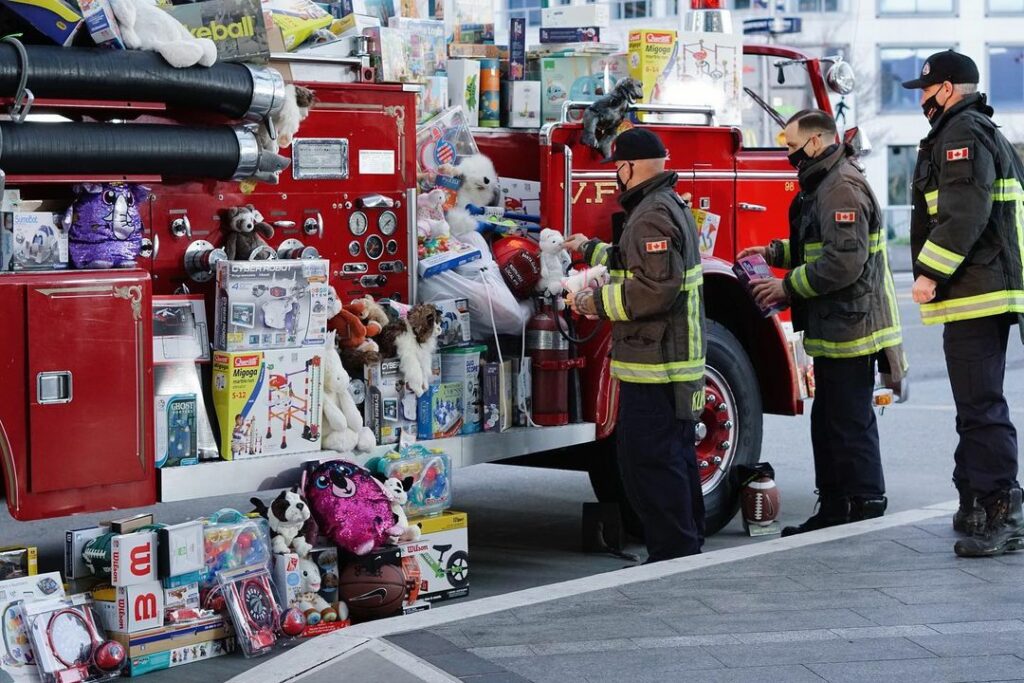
point(479, 185)
point(601, 120)
point(246, 231)
point(592, 278)
point(288, 516)
point(308, 598)
point(343, 429)
point(105, 225)
point(430, 221)
point(297, 102)
point(349, 506)
point(144, 26)
point(357, 323)
point(414, 340)
point(398, 492)
point(553, 261)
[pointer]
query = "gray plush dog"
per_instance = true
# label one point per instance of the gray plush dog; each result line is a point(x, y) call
point(602, 118)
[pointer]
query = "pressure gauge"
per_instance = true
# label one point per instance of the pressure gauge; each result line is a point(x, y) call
point(374, 247)
point(392, 247)
point(387, 223)
point(354, 248)
point(357, 223)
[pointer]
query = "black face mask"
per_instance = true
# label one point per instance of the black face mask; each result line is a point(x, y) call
point(932, 105)
point(799, 157)
point(619, 182)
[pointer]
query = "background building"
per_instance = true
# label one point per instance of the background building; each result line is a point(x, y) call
point(887, 42)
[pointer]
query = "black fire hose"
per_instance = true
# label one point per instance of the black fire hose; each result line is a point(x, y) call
point(238, 91)
point(220, 152)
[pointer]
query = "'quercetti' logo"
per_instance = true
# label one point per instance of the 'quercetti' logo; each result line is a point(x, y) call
point(247, 361)
point(660, 38)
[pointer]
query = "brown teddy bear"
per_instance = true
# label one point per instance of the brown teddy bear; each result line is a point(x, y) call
point(246, 234)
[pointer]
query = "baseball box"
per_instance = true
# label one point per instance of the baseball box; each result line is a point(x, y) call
point(129, 609)
point(274, 304)
point(442, 557)
point(268, 402)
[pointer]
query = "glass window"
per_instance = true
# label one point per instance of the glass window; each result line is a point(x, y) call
point(1006, 6)
point(902, 159)
point(916, 6)
point(1006, 75)
point(631, 9)
point(900, 64)
point(817, 6)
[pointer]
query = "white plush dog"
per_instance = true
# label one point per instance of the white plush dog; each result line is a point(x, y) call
point(144, 26)
point(288, 518)
point(480, 186)
point(414, 340)
point(553, 261)
point(342, 430)
point(397, 491)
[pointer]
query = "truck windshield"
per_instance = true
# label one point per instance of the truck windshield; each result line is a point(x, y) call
point(765, 101)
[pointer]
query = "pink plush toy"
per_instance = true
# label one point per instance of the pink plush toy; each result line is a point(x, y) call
point(350, 506)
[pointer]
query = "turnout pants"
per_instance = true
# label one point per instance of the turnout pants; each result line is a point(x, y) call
point(986, 456)
point(844, 433)
point(658, 463)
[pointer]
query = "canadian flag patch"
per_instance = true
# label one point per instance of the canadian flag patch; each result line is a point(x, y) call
point(846, 216)
point(657, 246)
point(958, 154)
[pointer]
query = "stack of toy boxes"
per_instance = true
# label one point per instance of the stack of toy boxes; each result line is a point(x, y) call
point(271, 327)
point(442, 410)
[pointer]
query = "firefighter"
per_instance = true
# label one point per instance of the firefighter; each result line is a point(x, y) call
point(967, 244)
point(655, 304)
point(843, 299)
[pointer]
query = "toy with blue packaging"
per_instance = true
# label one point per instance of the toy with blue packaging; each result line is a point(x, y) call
point(430, 469)
point(445, 139)
point(232, 540)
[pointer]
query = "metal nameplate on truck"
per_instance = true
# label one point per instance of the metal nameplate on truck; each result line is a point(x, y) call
point(320, 158)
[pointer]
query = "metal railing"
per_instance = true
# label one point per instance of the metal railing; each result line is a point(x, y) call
point(701, 110)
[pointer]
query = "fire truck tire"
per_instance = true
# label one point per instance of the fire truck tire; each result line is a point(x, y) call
point(730, 363)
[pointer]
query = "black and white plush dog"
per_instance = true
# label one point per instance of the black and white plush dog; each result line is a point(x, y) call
point(291, 528)
point(602, 118)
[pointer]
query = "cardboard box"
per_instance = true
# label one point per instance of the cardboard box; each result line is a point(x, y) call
point(467, 21)
point(521, 196)
point(432, 99)
point(236, 26)
point(570, 16)
point(517, 48)
point(8, 205)
point(74, 544)
point(102, 25)
point(297, 19)
point(441, 411)
point(17, 561)
point(173, 636)
point(521, 105)
point(271, 304)
point(127, 525)
point(464, 88)
point(39, 241)
point(570, 34)
point(443, 576)
point(175, 432)
point(428, 54)
point(651, 58)
point(58, 20)
point(353, 24)
point(522, 391)
point(428, 266)
point(182, 597)
point(559, 76)
point(390, 54)
point(133, 559)
point(288, 588)
point(180, 550)
point(389, 408)
point(473, 51)
point(18, 662)
point(268, 403)
point(455, 322)
point(144, 664)
point(462, 365)
point(130, 609)
point(496, 387)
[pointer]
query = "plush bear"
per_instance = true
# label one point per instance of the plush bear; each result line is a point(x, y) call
point(553, 261)
point(308, 598)
point(144, 26)
point(601, 120)
point(343, 430)
point(479, 185)
point(397, 491)
point(291, 528)
point(246, 231)
point(105, 225)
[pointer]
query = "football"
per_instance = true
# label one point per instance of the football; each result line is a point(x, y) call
point(372, 594)
point(760, 501)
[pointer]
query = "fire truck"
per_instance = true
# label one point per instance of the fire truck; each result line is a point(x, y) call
point(76, 422)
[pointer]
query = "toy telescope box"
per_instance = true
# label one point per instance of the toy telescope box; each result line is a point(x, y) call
point(268, 402)
point(235, 26)
point(271, 304)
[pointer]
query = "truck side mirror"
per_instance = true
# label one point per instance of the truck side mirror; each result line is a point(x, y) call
point(840, 78)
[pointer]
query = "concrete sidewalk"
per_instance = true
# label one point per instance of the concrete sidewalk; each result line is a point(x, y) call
point(884, 600)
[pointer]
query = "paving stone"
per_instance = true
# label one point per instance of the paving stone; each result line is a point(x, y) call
point(785, 620)
point(937, 614)
point(883, 632)
point(786, 636)
point(365, 666)
point(420, 642)
point(905, 577)
point(780, 602)
point(678, 586)
point(932, 544)
point(669, 663)
point(837, 650)
point(503, 677)
point(871, 555)
point(461, 662)
point(753, 674)
point(594, 627)
point(979, 626)
point(584, 646)
point(686, 641)
point(973, 644)
point(984, 594)
point(502, 651)
point(994, 572)
point(667, 603)
point(934, 670)
point(454, 635)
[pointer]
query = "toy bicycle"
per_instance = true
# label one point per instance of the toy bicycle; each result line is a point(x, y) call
point(456, 569)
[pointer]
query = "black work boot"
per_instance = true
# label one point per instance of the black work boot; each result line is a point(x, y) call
point(831, 512)
point(1004, 527)
point(867, 507)
point(969, 519)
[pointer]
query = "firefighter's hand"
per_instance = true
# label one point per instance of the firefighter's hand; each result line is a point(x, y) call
point(762, 251)
point(582, 302)
point(924, 289)
point(768, 292)
point(575, 242)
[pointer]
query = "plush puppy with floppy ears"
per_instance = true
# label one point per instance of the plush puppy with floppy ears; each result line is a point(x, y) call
point(479, 186)
point(603, 118)
point(291, 527)
point(414, 340)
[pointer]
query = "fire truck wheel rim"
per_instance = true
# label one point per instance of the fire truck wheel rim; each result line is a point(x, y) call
point(716, 450)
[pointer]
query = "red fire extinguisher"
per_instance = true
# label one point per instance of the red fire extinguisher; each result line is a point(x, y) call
point(551, 362)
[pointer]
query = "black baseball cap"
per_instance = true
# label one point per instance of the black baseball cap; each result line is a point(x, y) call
point(945, 66)
point(636, 144)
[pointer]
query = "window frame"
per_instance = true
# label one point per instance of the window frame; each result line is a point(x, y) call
point(1019, 106)
point(880, 14)
point(1012, 13)
point(933, 47)
point(911, 149)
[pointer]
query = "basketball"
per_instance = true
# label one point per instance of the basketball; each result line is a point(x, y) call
point(372, 593)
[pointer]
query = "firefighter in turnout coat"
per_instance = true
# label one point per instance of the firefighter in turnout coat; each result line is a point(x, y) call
point(655, 304)
point(967, 240)
point(843, 299)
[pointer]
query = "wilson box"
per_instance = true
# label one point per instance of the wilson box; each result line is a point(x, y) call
point(133, 558)
point(128, 609)
point(443, 575)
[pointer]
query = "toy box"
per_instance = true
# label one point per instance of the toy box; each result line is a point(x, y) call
point(517, 48)
point(652, 58)
point(559, 75)
point(467, 21)
point(288, 580)
point(464, 88)
point(431, 472)
point(236, 26)
point(180, 332)
point(391, 54)
point(181, 597)
point(521, 196)
point(432, 99)
point(232, 540)
point(297, 19)
point(19, 661)
point(711, 65)
point(521, 105)
point(326, 558)
point(424, 425)
point(133, 558)
point(441, 408)
point(60, 629)
point(130, 609)
point(8, 205)
point(490, 93)
point(58, 20)
point(175, 432)
point(17, 561)
point(268, 403)
point(462, 365)
point(442, 261)
point(180, 551)
point(39, 241)
point(271, 304)
point(144, 664)
point(176, 644)
point(74, 544)
point(99, 19)
point(390, 408)
point(427, 49)
point(446, 139)
point(751, 268)
point(496, 388)
point(442, 556)
point(576, 15)
point(455, 321)
point(570, 34)
point(522, 391)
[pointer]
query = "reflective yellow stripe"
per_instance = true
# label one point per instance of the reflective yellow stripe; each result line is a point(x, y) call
point(1007, 190)
point(890, 289)
point(939, 259)
point(658, 373)
point(932, 199)
point(786, 257)
point(890, 336)
point(611, 301)
point(693, 324)
point(815, 250)
point(798, 279)
point(970, 307)
point(599, 256)
point(618, 276)
point(693, 277)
